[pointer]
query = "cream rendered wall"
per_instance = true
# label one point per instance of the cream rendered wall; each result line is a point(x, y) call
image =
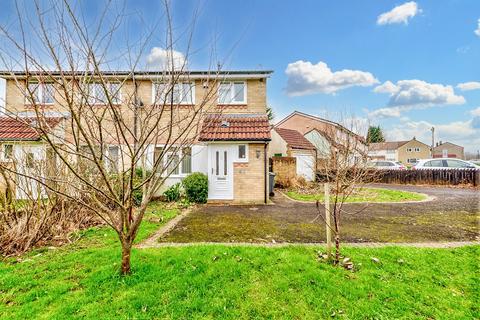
point(277, 145)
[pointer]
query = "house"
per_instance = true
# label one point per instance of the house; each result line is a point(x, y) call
point(448, 150)
point(327, 136)
point(229, 145)
point(20, 140)
point(407, 152)
point(291, 143)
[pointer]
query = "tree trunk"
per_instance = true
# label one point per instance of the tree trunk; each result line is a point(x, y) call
point(126, 251)
point(337, 249)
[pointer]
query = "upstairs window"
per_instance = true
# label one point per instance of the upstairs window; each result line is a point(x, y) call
point(232, 93)
point(99, 93)
point(417, 149)
point(40, 93)
point(181, 93)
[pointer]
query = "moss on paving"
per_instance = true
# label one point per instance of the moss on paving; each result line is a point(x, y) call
point(360, 195)
point(215, 282)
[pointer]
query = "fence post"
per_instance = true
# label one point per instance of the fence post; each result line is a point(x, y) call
point(326, 187)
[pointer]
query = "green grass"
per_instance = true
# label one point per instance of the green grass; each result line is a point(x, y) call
point(214, 282)
point(363, 195)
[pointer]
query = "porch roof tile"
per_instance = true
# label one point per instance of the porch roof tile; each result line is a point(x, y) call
point(13, 129)
point(235, 127)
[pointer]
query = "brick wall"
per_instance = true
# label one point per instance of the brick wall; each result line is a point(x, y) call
point(249, 178)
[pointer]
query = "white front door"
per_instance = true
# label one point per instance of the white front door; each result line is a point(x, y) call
point(220, 174)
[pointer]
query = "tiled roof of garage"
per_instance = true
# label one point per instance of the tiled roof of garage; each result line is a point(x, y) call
point(12, 129)
point(294, 139)
point(235, 127)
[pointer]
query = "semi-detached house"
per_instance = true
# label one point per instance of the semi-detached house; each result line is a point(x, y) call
point(230, 147)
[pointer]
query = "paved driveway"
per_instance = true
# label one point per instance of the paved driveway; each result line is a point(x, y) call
point(452, 216)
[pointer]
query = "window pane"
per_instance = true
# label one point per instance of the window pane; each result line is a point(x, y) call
point(115, 92)
point(224, 93)
point(187, 160)
point(157, 153)
point(177, 91)
point(33, 93)
point(8, 151)
point(242, 152)
point(187, 93)
point(48, 93)
point(173, 161)
point(436, 163)
point(238, 91)
point(29, 160)
point(113, 157)
point(217, 164)
point(225, 163)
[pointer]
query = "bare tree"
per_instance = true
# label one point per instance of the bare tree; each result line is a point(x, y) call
point(107, 130)
point(342, 167)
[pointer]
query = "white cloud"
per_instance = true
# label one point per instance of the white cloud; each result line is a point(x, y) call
point(394, 112)
point(419, 94)
point(399, 14)
point(477, 31)
point(386, 87)
point(466, 86)
point(464, 133)
point(475, 112)
point(161, 59)
point(307, 78)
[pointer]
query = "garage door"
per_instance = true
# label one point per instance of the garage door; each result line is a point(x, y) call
point(305, 165)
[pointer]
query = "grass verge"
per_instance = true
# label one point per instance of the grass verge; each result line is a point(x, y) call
point(214, 282)
point(362, 195)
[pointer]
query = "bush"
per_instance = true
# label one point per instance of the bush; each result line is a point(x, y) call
point(173, 193)
point(196, 187)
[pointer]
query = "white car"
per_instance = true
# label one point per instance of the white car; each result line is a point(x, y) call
point(444, 163)
point(388, 165)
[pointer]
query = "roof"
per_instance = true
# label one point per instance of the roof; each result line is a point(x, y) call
point(447, 143)
point(144, 74)
point(235, 127)
point(390, 145)
point(294, 139)
point(12, 129)
point(306, 115)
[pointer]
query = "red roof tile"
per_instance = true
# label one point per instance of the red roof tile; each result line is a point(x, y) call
point(294, 139)
point(235, 127)
point(23, 129)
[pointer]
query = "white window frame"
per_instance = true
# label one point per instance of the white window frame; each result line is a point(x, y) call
point(237, 155)
point(163, 100)
point(409, 149)
point(178, 152)
point(41, 93)
point(94, 100)
point(417, 149)
point(232, 93)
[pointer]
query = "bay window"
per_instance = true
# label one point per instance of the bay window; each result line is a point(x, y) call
point(232, 93)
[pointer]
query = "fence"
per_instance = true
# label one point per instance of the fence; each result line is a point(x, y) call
point(285, 169)
point(430, 176)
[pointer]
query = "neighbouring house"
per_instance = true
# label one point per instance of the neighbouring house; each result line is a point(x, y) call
point(448, 150)
point(291, 143)
point(407, 152)
point(20, 140)
point(230, 145)
point(327, 136)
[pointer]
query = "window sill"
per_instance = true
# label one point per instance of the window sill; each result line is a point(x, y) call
point(41, 105)
point(182, 105)
point(232, 105)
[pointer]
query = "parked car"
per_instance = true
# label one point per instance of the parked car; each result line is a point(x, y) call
point(445, 163)
point(388, 165)
point(475, 161)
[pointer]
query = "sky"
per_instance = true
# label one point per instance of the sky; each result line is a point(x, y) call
point(403, 65)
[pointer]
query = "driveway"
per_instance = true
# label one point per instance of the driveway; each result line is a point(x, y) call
point(453, 215)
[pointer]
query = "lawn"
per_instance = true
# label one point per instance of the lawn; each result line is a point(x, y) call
point(215, 282)
point(360, 195)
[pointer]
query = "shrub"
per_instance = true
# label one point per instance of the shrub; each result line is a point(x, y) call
point(196, 187)
point(173, 193)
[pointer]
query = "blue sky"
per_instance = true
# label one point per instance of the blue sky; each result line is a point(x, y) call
point(334, 57)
